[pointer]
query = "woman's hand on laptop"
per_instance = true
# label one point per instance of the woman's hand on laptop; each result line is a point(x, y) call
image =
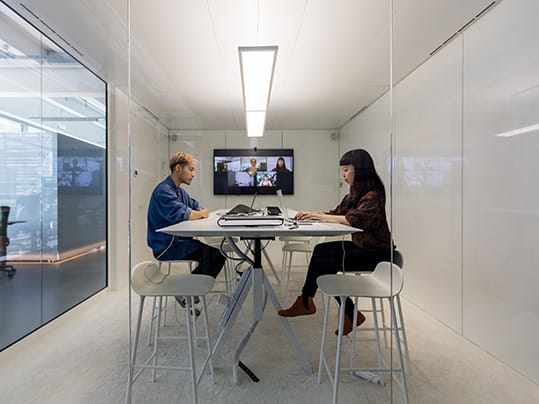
point(324, 217)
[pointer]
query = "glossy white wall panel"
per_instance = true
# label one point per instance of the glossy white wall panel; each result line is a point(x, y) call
point(148, 138)
point(501, 197)
point(149, 141)
point(117, 183)
point(427, 192)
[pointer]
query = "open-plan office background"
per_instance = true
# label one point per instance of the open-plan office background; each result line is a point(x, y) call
point(53, 184)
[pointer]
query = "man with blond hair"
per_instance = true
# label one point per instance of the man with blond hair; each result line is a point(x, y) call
point(171, 204)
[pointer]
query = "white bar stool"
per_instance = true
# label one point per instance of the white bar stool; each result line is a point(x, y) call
point(378, 310)
point(148, 281)
point(386, 282)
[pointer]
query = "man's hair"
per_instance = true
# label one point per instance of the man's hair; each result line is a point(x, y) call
point(182, 159)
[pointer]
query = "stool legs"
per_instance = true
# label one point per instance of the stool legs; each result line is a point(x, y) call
point(151, 363)
point(323, 342)
point(132, 376)
point(208, 341)
point(403, 331)
point(339, 351)
point(399, 350)
point(395, 332)
point(377, 331)
point(188, 320)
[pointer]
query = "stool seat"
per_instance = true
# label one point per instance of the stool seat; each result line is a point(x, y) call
point(152, 282)
point(365, 285)
point(157, 277)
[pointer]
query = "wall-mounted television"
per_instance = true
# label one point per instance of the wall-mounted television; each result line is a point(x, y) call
point(249, 171)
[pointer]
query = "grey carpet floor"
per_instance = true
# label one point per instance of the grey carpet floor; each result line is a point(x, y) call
point(83, 357)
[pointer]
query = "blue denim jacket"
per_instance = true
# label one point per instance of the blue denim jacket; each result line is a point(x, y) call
point(169, 205)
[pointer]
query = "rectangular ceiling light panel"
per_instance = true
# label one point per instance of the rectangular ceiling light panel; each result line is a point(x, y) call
point(257, 65)
point(256, 120)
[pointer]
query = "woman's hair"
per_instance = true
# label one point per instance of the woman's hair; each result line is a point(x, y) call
point(182, 159)
point(277, 163)
point(365, 176)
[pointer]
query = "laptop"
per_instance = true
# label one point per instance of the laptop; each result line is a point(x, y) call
point(242, 215)
point(243, 210)
point(284, 210)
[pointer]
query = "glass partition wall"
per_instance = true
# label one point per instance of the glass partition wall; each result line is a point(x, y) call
point(451, 123)
point(53, 180)
point(166, 120)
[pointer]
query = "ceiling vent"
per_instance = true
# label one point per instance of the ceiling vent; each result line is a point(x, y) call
point(38, 18)
point(474, 19)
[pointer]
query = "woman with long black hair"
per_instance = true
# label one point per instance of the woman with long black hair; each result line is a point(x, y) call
point(363, 207)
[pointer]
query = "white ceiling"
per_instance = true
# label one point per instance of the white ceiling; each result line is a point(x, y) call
point(333, 55)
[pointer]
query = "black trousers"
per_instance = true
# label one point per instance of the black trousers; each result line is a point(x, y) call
point(327, 259)
point(210, 260)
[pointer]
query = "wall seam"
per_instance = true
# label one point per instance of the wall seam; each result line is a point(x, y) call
point(462, 186)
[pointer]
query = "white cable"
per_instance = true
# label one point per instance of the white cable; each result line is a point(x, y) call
point(343, 256)
point(166, 249)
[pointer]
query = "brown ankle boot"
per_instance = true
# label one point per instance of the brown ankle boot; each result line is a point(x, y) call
point(349, 323)
point(299, 309)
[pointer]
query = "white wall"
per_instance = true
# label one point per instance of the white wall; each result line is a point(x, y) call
point(316, 171)
point(465, 201)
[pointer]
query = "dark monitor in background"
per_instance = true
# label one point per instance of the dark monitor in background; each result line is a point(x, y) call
point(246, 171)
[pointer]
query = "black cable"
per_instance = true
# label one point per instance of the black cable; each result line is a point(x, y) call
point(227, 256)
point(248, 245)
point(248, 372)
point(237, 265)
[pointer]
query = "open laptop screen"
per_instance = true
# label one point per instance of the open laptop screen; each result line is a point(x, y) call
point(282, 205)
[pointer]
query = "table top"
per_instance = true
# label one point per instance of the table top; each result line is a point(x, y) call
point(209, 227)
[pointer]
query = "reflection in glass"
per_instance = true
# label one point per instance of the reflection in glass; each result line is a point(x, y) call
point(53, 165)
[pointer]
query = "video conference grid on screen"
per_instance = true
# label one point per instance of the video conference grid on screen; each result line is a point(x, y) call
point(246, 171)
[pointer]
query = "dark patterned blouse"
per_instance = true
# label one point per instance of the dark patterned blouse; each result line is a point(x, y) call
point(368, 214)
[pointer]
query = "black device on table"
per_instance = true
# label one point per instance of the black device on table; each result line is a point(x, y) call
point(273, 210)
point(241, 209)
